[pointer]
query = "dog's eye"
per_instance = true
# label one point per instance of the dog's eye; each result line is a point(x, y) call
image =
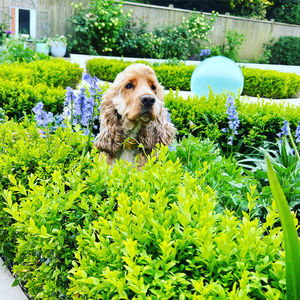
point(129, 86)
point(153, 87)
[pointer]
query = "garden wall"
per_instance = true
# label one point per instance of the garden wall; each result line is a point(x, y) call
point(49, 17)
point(257, 32)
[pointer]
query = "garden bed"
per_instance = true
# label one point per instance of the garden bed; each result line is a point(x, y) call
point(198, 221)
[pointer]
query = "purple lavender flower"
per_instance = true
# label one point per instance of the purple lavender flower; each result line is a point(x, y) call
point(80, 108)
point(43, 118)
point(8, 32)
point(297, 134)
point(70, 96)
point(205, 52)
point(284, 129)
point(88, 78)
point(233, 119)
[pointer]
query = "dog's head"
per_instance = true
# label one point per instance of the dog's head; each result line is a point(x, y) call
point(137, 95)
point(133, 107)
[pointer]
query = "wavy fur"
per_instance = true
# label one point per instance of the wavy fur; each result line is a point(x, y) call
point(119, 102)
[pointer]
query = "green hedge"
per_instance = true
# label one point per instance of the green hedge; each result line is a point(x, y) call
point(203, 117)
point(285, 51)
point(269, 84)
point(55, 72)
point(75, 228)
point(22, 85)
point(18, 98)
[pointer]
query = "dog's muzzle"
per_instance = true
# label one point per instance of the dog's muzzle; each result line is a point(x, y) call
point(147, 103)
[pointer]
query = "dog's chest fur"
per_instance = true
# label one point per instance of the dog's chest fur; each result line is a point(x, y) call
point(127, 153)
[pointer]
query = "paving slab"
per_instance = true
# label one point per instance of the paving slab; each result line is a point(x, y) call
point(7, 291)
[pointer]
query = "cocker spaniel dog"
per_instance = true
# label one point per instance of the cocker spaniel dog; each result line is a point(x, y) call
point(133, 118)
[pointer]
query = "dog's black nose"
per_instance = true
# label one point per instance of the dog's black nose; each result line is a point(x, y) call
point(147, 100)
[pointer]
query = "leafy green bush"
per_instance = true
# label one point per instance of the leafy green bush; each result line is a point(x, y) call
point(223, 175)
point(96, 26)
point(16, 51)
point(207, 117)
point(23, 85)
point(285, 11)
point(255, 9)
point(18, 99)
point(287, 167)
point(285, 51)
point(179, 41)
point(264, 83)
point(24, 152)
point(83, 229)
point(270, 84)
point(234, 41)
point(55, 72)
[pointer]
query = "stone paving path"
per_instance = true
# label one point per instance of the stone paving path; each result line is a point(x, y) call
point(7, 292)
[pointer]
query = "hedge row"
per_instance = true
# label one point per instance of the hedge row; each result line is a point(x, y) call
point(285, 51)
point(55, 72)
point(203, 117)
point(269, 84)
point(75, 228)
point(22, 85)
point(18, 99)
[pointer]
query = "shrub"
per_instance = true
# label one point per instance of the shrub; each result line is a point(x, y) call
point(264, 83)
point(88, 230)
point(234, 41)
point(285, 51)
point(270, 84)
point(16, 51)
point(222, 174)
point(96, 26)
point(23, 153)
point(55, 72)
point(179, 41)
point(207, 118)
point(18, 99)
point(173, 245)
point(255, 9)
point(285, 11)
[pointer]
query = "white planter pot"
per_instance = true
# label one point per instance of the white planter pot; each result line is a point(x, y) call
point(58, 49)
point(42, 48)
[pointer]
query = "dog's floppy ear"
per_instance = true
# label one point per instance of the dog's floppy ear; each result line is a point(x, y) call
point(159, 131)
point(110, 138)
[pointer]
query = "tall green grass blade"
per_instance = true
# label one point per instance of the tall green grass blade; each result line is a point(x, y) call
point(290, 236)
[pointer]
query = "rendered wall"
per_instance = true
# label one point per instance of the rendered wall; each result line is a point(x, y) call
point(256, 32)
point(52, 18)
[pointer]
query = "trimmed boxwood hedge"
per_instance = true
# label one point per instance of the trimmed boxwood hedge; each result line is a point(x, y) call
point(269, 84)
point(75, 227)
point(203, 117)
point(18, 99)
point(54, 72)
point(22, 85)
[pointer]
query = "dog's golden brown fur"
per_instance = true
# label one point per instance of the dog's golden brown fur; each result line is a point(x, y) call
point(133, 109)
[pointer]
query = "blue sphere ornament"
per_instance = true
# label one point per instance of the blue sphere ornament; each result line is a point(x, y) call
point(218, 73)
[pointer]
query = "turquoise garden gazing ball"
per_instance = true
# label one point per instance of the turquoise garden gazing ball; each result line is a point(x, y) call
point(218, 73)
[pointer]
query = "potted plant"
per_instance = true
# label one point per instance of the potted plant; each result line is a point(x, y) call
point(42, 46)
point(58, 46)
